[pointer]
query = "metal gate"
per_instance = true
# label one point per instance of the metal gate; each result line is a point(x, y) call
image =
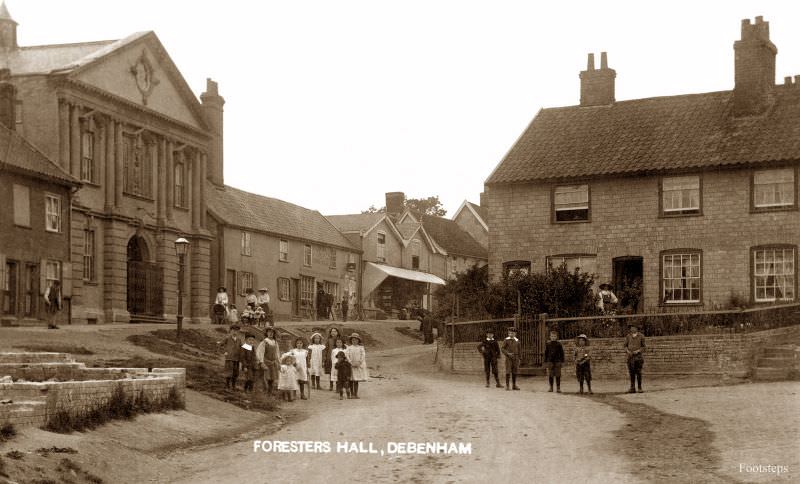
point(532, 338)
point(145, 288)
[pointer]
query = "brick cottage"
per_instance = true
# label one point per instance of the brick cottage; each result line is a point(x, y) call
point(695, 196)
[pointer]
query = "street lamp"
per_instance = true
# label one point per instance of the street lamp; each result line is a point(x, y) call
point(181, 247)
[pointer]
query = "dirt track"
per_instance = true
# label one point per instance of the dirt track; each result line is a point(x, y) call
point(514, 435)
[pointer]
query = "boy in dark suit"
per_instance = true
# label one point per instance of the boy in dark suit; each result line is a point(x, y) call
point(553, 359)
point(511, 348)
point(232, 346)
point(247, 358)
point(344, 372)
point(634, 347)
point(490, 350)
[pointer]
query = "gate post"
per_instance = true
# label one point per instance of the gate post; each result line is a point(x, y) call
point(452, 345)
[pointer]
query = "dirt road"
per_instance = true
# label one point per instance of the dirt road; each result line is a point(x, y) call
point(514, 436)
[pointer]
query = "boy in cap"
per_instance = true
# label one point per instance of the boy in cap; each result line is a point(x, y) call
point(553, 359)
point(489, 348)
point(511, 349)
point(583, 365)
point(248, 361)
point(634, 346)
point(231, 345)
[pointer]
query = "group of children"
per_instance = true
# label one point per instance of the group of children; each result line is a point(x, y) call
point(346, 364)
point(491, 349)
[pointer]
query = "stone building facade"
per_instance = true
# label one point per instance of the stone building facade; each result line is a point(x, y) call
point(694, 196)
point(119, 117)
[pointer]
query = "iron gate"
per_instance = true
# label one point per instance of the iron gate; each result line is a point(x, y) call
point(145, 288)
point(531, 333)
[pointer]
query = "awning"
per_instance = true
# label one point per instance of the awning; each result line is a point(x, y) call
point(374, 274)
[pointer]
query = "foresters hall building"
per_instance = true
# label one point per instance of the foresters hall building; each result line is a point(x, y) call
point(695, 197)
point(119, 117)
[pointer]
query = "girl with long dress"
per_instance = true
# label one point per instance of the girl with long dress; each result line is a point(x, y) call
point(356, 355)
point(315, 349)
point(339, 348)
point(333, 334)
point(301, 357)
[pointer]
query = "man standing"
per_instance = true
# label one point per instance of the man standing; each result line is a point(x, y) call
point(52, 298)
point(634, 346)
point(511, 348)
point(490, 350)
point(345, 308)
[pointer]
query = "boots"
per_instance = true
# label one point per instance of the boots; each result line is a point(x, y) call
point(302, 391)
point(331, 387)
point(355, 390)
point(550, 380)
point(487, 380)
point(558, 384)
point(497, 381)
point(589, 387)
point(581, 390)
point(508, 381)
point(632, 388)
point(639, 382)
point(514, 382)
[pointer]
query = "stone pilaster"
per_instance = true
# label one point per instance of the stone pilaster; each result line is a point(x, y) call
point(118, 165)
point(115, 272)
point(75, 141)
point(110, 161)
point(200, 280)
point(63, 134)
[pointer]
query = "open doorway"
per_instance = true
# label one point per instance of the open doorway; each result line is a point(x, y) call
point(628, 280)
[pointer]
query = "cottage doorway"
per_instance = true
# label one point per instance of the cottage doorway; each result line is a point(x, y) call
point(628, 281)
point(145, 281)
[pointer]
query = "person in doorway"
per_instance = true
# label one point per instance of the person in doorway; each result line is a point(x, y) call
point(489, 349)
point(634, 346)
point(53, 302)
point(345, 308)
point(511, 350)
point(606, 299)
point(321, 300)
point(583, 362)
point(553, 359)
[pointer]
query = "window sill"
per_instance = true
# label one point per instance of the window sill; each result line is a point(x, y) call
point(27, 227)
point(559, 222)
point(792, 208)
point(181, 208)
point(285, 261)
point(59, 232)
point(680, 215)
point(139, 197)
point(665, 304)
point(91, 184)
point(87, 282)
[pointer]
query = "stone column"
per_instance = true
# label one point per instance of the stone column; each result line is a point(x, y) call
point(196, 182)
point(200, 276)
point(108, 148)
point(119, 167)
point(203, 176)
point(170, 179)
point(75, 141)
point(161, 148)
point(63, 134)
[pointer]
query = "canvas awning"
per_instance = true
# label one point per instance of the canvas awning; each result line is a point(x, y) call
point(374, 274)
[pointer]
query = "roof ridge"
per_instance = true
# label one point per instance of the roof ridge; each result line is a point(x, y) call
point(69, 44)
point(651, 98)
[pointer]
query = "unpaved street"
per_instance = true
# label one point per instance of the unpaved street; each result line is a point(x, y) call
point(515, 436)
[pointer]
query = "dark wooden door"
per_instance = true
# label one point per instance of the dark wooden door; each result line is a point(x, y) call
point(145, 288)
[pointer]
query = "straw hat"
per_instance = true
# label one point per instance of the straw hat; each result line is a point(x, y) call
point(354, 335)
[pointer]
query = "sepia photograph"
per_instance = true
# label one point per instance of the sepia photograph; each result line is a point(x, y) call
point(381, 241)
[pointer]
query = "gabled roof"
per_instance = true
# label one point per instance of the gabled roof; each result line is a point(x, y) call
point(18, 155)
point(250, 211)
point(676, 133)
point(479, 212)
point(408, 229)
point(452, 238)
point(357, 221)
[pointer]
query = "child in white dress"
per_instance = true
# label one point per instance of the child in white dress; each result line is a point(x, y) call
point(357, 358)
point(301, 355)
point(287, 377)
point(339, 348)
point(316, 348)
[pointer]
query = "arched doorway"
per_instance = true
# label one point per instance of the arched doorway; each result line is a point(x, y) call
point(145, 281)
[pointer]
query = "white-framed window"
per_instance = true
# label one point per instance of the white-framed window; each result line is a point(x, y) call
point(332, 288)
point(283, 251)
point(332, 257)
point(774, 274)
point(583, 262)
point(308, 255)
point(52, 207)
point(522, 267)
point(571, 203)
point(88, 255)
point(22, 205)
point(284, 293)
point(246, 249)
point(380, 251)
point(179, 188)
point(415, 251)
point(307, 291)
point(87, 153)
point(680, 195)
point(774, 188)
point(681, 277)
point(52, 272)
point(246, 281)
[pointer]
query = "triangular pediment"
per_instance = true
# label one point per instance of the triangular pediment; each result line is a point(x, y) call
point(142, 73)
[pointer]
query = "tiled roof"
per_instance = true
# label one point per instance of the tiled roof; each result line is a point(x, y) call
point(45, 59)
point(451, 237)
point(650, 135)
point(256, 212)
point(407, 229)
point(480, 211)
point(19, 155)
point(356, 221)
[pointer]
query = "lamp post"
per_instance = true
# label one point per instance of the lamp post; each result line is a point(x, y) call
point(181, 247)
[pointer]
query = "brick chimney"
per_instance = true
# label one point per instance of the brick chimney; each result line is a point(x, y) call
point(395, 203)
point(597, 85)
point(754, 65)
point(8, 100)
point(212, 106)
point(8, 29)
point(482, 201)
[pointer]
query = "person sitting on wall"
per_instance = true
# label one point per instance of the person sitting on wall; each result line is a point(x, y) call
point(250, 298)
point(263, 300)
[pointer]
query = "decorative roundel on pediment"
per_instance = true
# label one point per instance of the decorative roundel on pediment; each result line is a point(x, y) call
point(143, 74)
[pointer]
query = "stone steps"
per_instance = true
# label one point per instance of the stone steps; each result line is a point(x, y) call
point(38, 357)
point(778, 363)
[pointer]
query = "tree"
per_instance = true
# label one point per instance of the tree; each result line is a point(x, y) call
point(420, 206)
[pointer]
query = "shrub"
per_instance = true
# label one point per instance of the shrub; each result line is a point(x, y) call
point(7, 432)
point(15, 454)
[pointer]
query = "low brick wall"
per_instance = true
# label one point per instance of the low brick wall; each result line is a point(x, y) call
point(723, 355)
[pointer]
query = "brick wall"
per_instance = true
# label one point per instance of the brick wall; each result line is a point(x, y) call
point(625, 221)
point(723, 355)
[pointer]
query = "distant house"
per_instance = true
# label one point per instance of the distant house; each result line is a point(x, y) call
point(35, 222)
point(403, 260)
point(474, 220)
point(260, 242)
point(694, 196)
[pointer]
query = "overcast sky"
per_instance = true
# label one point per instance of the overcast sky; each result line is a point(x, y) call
point(330, 104)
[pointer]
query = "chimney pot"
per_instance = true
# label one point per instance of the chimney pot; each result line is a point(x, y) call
point(395, 203)
point(590, 62)
point(597, 85)
point(797, 80)
point(603, 60)
point(787, 80)
point(754, 67)
point(759, 19)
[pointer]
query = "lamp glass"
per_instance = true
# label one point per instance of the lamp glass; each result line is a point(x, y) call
point(181, 246)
